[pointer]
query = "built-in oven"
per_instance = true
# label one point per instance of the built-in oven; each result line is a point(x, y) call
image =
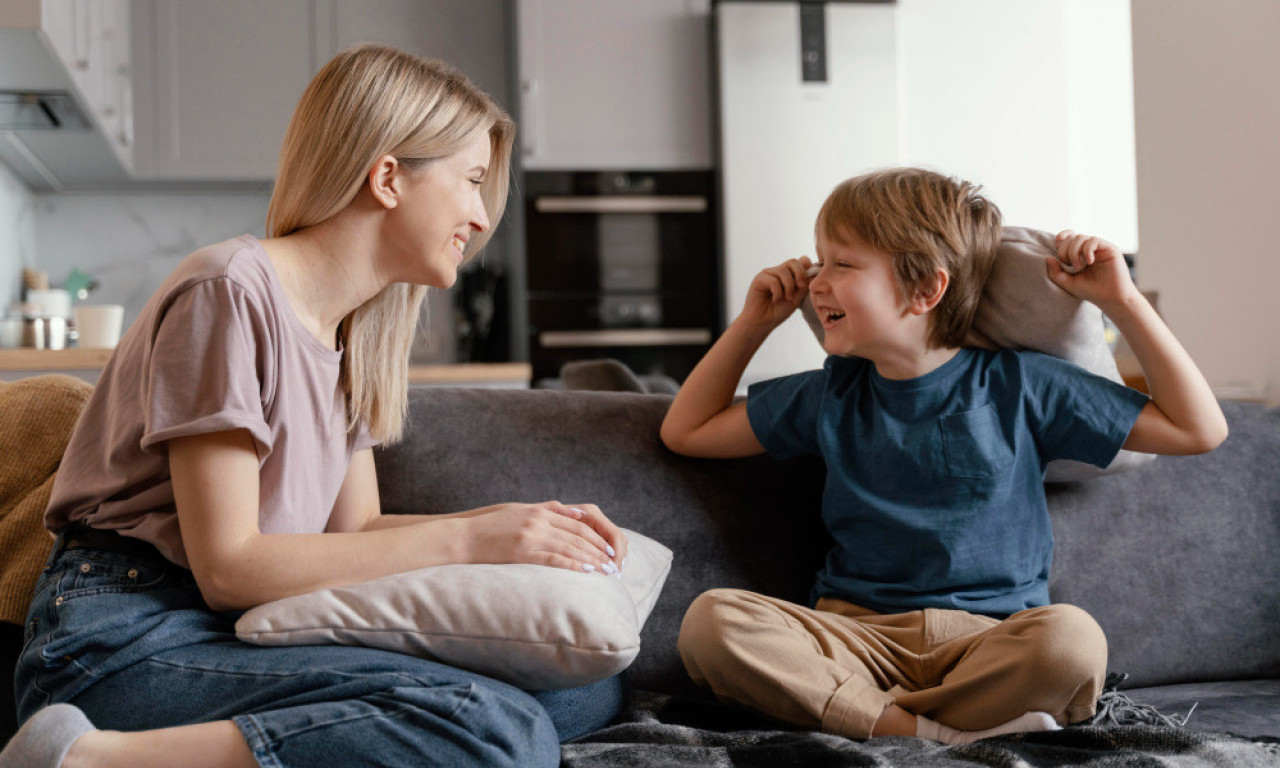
point(622, 265)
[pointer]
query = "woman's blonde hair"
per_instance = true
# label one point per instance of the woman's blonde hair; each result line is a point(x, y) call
point(367, 102)
point(925, 221)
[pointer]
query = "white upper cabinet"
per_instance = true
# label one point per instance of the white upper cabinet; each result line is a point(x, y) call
point(221, 81)
point(614, 84)
point(222, 78)
point(469, 34)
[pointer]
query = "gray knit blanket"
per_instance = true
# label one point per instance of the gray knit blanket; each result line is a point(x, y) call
point(660, 730)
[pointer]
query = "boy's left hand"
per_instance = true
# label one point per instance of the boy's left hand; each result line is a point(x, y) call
point(1091, 269)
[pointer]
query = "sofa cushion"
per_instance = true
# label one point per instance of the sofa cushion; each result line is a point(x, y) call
point(535, 627)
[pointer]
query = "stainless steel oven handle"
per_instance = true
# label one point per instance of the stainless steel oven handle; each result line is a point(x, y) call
point(626, 337)
point(620, 204)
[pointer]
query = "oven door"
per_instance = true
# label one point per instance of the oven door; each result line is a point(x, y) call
point(621, 265)
point(620, 245)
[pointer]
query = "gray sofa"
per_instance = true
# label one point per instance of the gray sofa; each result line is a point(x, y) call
point(1179, 561)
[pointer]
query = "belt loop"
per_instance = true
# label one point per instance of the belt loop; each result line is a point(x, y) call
point(59, 540)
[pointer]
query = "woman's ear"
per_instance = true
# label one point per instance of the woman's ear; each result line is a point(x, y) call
point(928, 296)
point(385, 182)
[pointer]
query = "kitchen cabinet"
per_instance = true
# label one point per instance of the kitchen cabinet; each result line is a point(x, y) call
point(469, 34)
point(92, 39)
point(221, 80)
point(614, 84)
point(218, 84)
point(81, 48)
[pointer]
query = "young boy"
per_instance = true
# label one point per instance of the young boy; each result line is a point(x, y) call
point(931, 616)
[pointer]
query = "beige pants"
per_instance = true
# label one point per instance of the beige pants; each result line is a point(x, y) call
point(838, 666)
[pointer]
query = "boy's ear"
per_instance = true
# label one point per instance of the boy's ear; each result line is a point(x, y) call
point(927, 296)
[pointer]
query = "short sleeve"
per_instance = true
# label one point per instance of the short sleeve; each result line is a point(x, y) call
point(1075, 414)
point(363, 438)
point(208, 367)
point(784, 413)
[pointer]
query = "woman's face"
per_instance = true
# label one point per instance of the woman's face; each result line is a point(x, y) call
point(440, 209)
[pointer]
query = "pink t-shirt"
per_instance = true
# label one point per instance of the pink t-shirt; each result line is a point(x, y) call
point(216, 348)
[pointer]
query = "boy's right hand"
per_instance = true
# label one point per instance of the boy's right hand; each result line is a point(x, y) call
point(777, 292)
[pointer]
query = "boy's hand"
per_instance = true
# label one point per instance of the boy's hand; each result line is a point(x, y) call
point(1091, 269)
point(777, 292)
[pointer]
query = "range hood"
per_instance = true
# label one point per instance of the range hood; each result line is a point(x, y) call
point(47, 136)
point(40, 111)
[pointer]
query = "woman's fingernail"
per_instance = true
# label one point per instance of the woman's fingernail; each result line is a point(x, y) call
point(579, 511)
point(609, 568)
point(609, 549)
point(588, 567)
point(624, 562)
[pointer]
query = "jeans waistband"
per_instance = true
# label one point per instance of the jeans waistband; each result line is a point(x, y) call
point(81, 536)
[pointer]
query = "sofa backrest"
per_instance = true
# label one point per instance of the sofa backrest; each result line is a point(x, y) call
point(1178, 560)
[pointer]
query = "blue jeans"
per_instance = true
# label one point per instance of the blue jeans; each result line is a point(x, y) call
point(130, 641)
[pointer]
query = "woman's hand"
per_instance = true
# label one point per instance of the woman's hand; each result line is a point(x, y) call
point(777, 292)
point(550, 533)
point(616, 543)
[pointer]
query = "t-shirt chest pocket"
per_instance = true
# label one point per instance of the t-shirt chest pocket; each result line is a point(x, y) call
point(973, 444)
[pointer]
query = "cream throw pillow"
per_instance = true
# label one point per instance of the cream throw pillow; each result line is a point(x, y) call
point(533, 626)
point(1021, 308)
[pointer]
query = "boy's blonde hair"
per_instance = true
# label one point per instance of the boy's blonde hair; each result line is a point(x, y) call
point(925, 221)
point(369, 101)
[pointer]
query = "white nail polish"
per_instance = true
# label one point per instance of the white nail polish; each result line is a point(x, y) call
point(588, 567)
point(609, 549)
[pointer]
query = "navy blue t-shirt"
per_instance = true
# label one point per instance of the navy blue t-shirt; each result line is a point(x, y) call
point(935, 485)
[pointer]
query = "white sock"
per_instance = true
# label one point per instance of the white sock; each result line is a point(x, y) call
point(1027, 722)
point(43, 740)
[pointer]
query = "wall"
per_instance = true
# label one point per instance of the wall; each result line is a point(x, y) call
point(1209, 181)
point(15, 235)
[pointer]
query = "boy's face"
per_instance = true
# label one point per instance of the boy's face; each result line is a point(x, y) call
point(858, 301)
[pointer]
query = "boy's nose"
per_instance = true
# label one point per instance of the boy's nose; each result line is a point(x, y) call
point(818, 283)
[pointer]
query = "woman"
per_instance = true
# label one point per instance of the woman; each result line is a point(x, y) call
point(225, 461)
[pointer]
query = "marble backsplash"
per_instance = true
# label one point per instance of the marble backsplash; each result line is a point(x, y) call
point(131, 241)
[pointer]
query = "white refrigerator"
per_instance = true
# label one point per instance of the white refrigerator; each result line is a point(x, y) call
point(1031, 98)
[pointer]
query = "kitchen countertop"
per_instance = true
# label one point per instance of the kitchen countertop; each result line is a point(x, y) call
point(35, 360)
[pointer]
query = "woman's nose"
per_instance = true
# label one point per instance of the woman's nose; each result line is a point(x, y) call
point(480, 217)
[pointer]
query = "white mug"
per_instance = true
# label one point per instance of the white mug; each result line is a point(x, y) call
point(99, 325)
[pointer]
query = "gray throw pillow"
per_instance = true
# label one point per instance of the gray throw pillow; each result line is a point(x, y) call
point(533, 626)
point(1021, 308)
